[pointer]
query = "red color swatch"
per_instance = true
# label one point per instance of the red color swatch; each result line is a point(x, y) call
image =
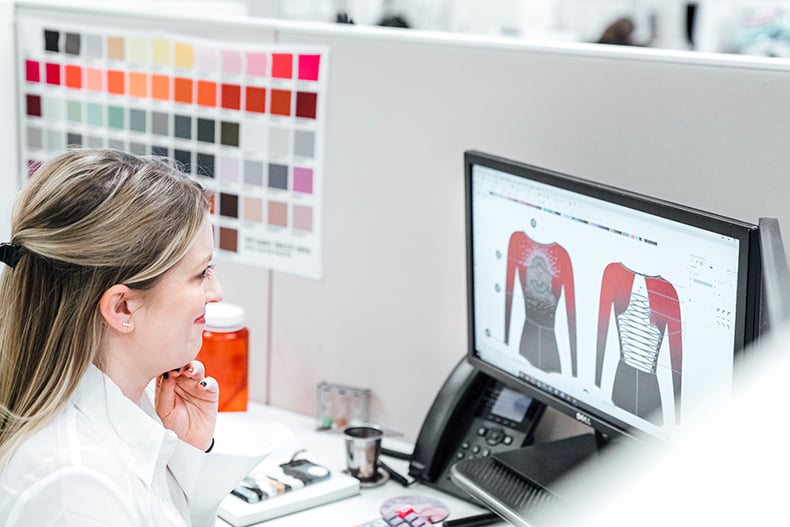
point(282, 65)
point(32, 71)
point(34, 105)
point(306, 103)
point(308, 67)
point(53, 73)
point(255, 99)
point(281, 102)
point(231, 96)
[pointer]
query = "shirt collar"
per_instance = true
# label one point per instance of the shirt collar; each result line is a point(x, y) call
point(139, 434)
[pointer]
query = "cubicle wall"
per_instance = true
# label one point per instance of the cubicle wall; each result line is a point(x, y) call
point(388, 312)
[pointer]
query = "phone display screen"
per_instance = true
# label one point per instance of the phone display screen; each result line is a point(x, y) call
point(511, 405)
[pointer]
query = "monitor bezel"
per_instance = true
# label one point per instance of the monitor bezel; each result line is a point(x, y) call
point(748, 298)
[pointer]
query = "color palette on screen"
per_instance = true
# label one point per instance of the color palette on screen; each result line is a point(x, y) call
point(245, 120)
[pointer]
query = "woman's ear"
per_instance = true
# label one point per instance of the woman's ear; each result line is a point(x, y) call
point(116, 306)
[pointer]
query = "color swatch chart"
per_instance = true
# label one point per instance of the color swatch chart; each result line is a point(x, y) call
point(246, 120)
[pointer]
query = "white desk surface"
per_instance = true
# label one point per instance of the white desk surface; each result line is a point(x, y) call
point(291, 432)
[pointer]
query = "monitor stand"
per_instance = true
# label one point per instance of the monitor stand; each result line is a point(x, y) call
point(521, 485)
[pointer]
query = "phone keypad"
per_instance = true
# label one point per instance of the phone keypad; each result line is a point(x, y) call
point(485, 441)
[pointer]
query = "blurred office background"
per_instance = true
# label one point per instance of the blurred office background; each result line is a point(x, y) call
point(749, 27)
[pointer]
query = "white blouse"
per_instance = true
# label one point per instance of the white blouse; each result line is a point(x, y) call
point(107, 461)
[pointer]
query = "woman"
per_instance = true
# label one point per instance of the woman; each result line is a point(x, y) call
point(104, 290)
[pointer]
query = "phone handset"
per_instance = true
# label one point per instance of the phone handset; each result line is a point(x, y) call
point(448, 418)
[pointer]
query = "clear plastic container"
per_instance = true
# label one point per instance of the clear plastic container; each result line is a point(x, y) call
point(225, 354)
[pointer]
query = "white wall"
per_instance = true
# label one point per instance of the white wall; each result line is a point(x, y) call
point(8, 135)
point(389, 313)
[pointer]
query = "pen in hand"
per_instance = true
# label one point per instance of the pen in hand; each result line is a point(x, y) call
point(487, 518)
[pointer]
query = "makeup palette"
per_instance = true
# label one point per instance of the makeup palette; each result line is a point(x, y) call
point(246, 120)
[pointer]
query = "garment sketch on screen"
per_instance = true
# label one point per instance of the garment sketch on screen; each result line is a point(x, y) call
point(645, 309)
point(544, 271)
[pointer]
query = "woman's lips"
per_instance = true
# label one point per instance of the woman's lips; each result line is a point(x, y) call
point(201, 319)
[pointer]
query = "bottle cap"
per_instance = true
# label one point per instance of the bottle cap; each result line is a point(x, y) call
point(224, 317)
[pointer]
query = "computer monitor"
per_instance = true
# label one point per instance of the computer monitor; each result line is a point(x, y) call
point(618, 309)
point(775, 305)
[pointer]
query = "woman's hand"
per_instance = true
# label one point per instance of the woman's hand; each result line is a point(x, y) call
point(186, 402)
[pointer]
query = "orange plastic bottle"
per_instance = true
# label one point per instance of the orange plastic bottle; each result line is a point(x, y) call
point(225, 354)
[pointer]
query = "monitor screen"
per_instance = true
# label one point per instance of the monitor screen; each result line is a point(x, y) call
point(618, 309)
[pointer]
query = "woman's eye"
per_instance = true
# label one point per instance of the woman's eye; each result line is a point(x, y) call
point(207, 272)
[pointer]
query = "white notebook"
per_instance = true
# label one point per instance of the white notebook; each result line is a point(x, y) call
point(239, 513)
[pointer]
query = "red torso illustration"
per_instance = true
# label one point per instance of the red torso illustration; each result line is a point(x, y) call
point(645, 308)
point(543, 270)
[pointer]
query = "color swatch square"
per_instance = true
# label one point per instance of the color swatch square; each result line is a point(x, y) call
point(207, 93)
point(137, 50)
point(228, 205)
point(73, 44)
point(53, 73)
point(303, 218)
point(73, 76)
point(94, 80)
point(304, 143)
point(282, 65)
point(182, 126)
point(52, 40)
point(228, 239)
point(308, 67)
point(94, 46)
point(278, 214)
point(160, 87)
point(33, 105)
point(231, 62)
point(205, 130)
point(138, 84)
point(229, 133)
point(116, 48)
point(206, 59)
point(253, 209)
point(137, 120)
point(229, 169)
point(253, 173)
point(281, 102)
point(184, 56)
point(278, 176)
point(303, 180)
point(255, 99)
point(256, 63)
point(32, 71)
point(231, 96)
point(306, 104)
point(160, 52)
point(116, 81)
point(205, 165)
point(182, 90)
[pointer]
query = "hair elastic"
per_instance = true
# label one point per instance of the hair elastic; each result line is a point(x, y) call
point(9, 254)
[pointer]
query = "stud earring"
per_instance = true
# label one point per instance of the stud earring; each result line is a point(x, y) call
point(127, 324)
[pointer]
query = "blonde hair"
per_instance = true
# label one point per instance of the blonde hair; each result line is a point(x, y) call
point(87, 220)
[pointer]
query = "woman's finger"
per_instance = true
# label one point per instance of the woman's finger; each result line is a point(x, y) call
point(210, 385)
